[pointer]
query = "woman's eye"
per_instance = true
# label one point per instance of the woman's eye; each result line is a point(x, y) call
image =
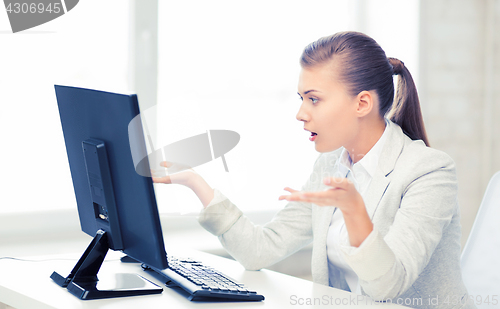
point(313, 100)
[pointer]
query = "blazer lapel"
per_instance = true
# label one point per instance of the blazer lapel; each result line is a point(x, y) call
point(325, 214)
point(321, 223)
point(388, 158)
point(375, 192)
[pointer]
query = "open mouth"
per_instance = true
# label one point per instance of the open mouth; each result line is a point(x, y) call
point(313, 136)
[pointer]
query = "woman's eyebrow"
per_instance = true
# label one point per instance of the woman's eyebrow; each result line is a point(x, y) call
point(308, 91)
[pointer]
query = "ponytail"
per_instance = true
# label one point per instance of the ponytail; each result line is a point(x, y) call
point(405, 110)
point(363, 65)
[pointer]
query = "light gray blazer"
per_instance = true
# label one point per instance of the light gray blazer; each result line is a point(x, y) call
point(414, 253)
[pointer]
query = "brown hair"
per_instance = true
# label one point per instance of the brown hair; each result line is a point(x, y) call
point(364, 66)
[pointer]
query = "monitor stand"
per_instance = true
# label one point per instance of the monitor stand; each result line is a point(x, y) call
point(84, 284)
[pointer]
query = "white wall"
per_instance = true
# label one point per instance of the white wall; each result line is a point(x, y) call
point(459, 88)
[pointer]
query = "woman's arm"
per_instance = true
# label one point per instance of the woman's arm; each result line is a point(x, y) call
point(424, 203)
point(201, 188)
point(253, 246)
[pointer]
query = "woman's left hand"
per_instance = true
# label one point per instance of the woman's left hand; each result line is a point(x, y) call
point(344, 196)
point(341, 194)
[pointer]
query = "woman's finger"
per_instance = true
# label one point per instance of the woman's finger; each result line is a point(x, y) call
point(166, 179)
point(319, 198)
point(166, 164)
point(290, 198)
point(283, 197)
point(293, 197)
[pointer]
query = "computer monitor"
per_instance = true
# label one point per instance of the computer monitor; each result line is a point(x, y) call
point(116, 205)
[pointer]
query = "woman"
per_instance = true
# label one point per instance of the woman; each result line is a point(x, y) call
point(380, 206)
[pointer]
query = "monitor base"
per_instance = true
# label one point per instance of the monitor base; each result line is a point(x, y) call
point(84, 284)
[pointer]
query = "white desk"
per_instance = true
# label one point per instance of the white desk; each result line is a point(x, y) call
point(25, 284)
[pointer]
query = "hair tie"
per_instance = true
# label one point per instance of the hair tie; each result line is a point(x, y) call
point(397, 65)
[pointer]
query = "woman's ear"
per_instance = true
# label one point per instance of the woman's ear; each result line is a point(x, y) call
point(365, 102)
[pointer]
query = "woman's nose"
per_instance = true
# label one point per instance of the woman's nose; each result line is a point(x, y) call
point(302, 115)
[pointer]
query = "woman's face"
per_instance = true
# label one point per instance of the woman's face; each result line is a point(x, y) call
point(327, 109)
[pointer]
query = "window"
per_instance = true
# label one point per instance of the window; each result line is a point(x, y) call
point(86, 47)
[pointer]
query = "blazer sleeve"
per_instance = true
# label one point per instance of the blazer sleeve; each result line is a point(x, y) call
point(255, 246)
point(388, 266)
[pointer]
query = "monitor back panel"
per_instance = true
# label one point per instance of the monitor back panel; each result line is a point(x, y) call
point(91, 114)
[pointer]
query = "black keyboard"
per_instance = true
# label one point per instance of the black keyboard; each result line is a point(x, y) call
point(203, 282)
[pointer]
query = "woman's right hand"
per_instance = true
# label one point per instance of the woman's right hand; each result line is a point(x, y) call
point(188, 178)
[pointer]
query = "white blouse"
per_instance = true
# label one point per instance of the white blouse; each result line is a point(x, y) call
point(361, 174)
